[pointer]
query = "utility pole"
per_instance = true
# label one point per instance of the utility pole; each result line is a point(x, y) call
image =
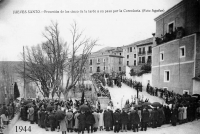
point(24, 74)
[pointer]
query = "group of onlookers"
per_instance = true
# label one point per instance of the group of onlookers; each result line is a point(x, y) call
point(108, 120)
point(133, 84)
point(7, 113)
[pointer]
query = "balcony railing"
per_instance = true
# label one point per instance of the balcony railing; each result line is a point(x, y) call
point(149, 61)
point(177, 34)
point(142, 53)
point(149, 51)
point(140, 62)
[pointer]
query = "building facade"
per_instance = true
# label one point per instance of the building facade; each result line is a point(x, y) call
point(130, 55)
point(106, 60)
point(138, 54)
point(176, 50)
point(144, 51)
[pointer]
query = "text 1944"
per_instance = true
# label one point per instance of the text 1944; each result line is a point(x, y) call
point(23, 128)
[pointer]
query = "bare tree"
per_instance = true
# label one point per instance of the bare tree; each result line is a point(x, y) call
point(78, 58)
point(7, 80)
point(45, 62)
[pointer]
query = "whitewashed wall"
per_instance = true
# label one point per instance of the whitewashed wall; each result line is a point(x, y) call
point(143, 79)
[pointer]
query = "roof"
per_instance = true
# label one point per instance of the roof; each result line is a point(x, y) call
point(105, 49)
point(141, 42)
point(169, 11)
point(119, 56)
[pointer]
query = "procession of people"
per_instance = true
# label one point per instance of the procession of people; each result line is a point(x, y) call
point(137, 117)
point(80, 116)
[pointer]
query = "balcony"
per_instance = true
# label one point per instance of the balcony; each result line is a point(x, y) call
point(141, 53)
point(177, 34)
point(141, 62)
point(149, 61)
point(149, 52)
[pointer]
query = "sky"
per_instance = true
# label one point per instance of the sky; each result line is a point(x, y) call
point(112, 27)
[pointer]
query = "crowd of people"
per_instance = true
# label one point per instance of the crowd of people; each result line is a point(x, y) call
point(133, 84)
point(7, 113)
point(81, 115)
point(135, 119)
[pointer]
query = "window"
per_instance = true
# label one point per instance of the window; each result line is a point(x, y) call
point(119, 68)
point(143, 49)
point(171, 27)
point(143, 59)
point(182, 51)
point(161, 56)
point(120, 61)
point(90, 69)
point(150, 49)
point(186, 92)
point(149, 59)
point(98, 69)
point(127, 56)
point(98, 60)
point(127, 63)
point(104, 60)
point(166, 76)
point(104, 68)
point(90, 61)
point(120, 53)
point(134, 47)
point(140, 59)
point(130, 49)
point(134, 55)
point(134, 62)
point(140, 50)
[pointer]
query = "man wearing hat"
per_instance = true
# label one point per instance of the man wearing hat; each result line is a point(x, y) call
point(117, 119)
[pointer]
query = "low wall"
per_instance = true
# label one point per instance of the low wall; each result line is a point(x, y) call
point(144, 79)
point(104, 102)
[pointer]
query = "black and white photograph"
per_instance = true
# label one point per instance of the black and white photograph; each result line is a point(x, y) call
point(99, 66)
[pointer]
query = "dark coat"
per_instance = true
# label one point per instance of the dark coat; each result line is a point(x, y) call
point(161, 115)
point(46, 120)
point(124, 118)
point(24, 113)
point(174, 116)
point(154, 115)
point(134, 117)
point(52, 119)
point(116, 118)
point(82, 119)
point(42, 118)
point(145, 116)
point(90, 119)
point(107, 117)
point(36, 114)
